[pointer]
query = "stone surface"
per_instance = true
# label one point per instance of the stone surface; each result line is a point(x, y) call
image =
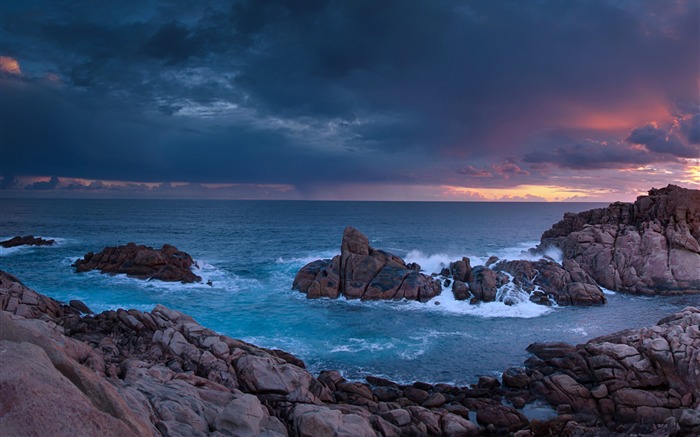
point(362, 272)
point(143, 262)
point(27, 240)
point(651, 246)
point(128, 372)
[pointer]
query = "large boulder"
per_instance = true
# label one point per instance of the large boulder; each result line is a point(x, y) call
point(362, 272)
point(651, 246)
point(27, 240)
point(143, 262)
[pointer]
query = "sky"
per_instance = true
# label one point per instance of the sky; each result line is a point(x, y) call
point(349, 100)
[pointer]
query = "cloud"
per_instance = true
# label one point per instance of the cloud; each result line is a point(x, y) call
point(51, 184)
point(660, 141)
point(590, 154)
point(9, 65)
point(475, 172)
point(313, 94)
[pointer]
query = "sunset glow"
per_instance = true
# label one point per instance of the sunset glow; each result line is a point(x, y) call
point(9, 65)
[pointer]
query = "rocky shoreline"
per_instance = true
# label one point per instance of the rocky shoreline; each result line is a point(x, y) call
point(128, 372)
point(651, 246)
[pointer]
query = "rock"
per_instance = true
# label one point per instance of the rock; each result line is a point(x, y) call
point(27, 240)
point(435, 400)
point(567, 284)
point(460, 290)
point(501, 417)
point(398, 417)
point(516, 377)
point(316, 420)
point(143, 262)
point(483, 284)
point(651, 246)
point(461, 269)
point(80, 306)
point(456, 426)
point(645, 375)
point(362, 272)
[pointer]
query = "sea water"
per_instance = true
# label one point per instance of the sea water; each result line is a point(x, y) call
point(251, 251)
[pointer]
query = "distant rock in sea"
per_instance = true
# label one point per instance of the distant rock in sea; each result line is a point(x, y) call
point(27, 240)
point(651, 246)
point(143, 262)
point(362, 272)
point(132, 373)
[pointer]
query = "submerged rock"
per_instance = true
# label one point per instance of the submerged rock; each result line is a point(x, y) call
point(27, 240)
point(362, 272)
point(651, 246)
point(143, 262)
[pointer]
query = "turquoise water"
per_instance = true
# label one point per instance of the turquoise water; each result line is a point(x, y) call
point(251, 250)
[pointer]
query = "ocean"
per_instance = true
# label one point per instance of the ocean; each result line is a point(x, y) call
point(251, 251)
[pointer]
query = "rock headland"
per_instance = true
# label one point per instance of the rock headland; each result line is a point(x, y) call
point(143, 262)
point(129, 373)
point(651, 246)
point(27, 240)
point(362, 272)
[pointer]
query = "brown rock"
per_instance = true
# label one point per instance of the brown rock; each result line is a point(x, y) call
point(651, 246)
point(143, 262)
point(27, 240)
point(362, 272)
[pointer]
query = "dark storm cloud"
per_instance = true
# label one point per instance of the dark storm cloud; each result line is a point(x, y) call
point(595, 155)
point(330, 92)
point(661, 141)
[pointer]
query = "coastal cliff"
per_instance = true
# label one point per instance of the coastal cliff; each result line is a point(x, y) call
point(651, 246)
point(128, 372)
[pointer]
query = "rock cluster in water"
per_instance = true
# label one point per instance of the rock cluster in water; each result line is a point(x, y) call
point(362, 272)
point(543, 281)
point(27, 240)
point(143, 262)
point(127, 373)
point(651, 246)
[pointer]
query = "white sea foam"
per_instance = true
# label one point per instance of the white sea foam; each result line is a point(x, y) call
point(608, 292)
point(355, 345)
point(220, 279)
point(430, 263)
point(303, 260)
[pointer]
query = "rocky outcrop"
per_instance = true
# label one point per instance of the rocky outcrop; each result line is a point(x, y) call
point(160, 373)
point(143, 262)
point(643, 380)
point(651, 246)
point(362, 272)
point(542, 281)
point(27, 240)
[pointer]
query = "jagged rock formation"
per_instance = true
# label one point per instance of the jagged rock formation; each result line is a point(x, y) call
point(363, 272)
point(143, 262)
point(637, 381)
point(132, 373)
point(651, 246)
point(545, 281)
point(27, 240)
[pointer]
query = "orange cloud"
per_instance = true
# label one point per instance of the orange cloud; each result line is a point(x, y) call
point(10, 65)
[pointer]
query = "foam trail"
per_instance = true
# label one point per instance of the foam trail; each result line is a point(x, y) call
point(430, 263)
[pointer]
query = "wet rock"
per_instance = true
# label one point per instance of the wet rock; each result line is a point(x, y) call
point(165, 264)
point(362, 272)
point(27, 240)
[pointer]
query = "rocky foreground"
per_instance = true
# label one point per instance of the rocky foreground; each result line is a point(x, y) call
point(651, 246)
point(127, 373)
point(143, 262)
point(362, 272)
